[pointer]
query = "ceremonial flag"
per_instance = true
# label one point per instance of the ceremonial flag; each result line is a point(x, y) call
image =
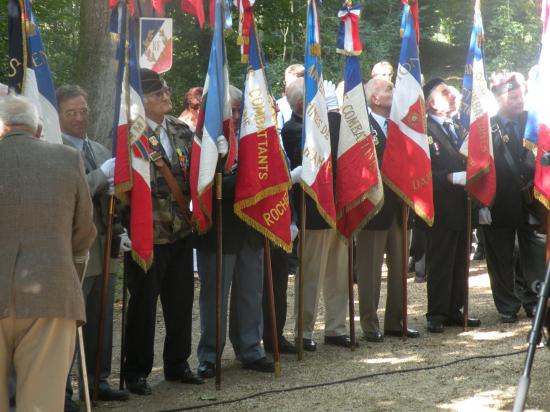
point(155, 46)
point(130, 146)
point(214, 121)
point(261, 191)
point(410, 6)
point(474, 116)
point(28, 71)
point(194, 7)
point(538, 125)
point(406, 164)
point(245, 26)
point(316, 157)
point(359, 190)
point(227, 19)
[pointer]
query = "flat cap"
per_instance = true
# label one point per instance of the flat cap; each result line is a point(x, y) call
point(150, 81)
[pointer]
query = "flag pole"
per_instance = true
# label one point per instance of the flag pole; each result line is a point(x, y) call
point(467, 267)
point(127, 256)
point(271, 303)
point(351, 294)
point(300, 297)
point(219, 260)
point(405, 218)
point(547, 232)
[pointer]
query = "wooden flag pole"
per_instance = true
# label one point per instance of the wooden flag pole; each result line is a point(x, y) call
point(351, 294)
point(405, 218)
point(127, 255)
point(271, 304)
point(467, 267)
point(219, 263)
point(300, 297)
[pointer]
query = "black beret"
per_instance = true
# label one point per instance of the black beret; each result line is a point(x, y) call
point(430, 86)
point(508, 84)
point(150, 81)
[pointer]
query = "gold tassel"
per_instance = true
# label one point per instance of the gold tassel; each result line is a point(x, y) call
point(244, 58)
point(315, 49)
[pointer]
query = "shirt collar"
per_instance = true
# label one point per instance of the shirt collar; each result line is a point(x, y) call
point(77, 142)
point(153, 125)
point(381, 120)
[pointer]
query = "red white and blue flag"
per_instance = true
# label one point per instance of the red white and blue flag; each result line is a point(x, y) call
point(474, 116)
point(348, 42)
point(537, 130)
point(406, 165)
point(194, 7)
point(214, 121)
point(29, 70)
point(261, 191)
point(246, 18)
point(359, 190)
point(130, 146)
point(316, 175)
point(155, 46)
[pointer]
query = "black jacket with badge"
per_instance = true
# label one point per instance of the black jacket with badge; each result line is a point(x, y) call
point(515, 168)
point(449, 199)
point(392, 204)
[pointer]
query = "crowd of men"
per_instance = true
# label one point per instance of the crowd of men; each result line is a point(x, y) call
point(50, 279)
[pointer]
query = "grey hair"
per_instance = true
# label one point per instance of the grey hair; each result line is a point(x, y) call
point(18, 110)
point(373, 86)
point(235, 93)
point(295, 93)
point(69, 91)
point(295, 69)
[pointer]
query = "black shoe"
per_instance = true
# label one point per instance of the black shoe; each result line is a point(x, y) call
point(342, 340)
point(183, 376)
point(309, 345)
point(508, 317)
point(411, 333)
point(472, 322)
point(435, 326)
point(71, 406)
point(286, 347)
point(419, 279)
point(206, 370)
point(260, 365)
point(108, 394)
point(530, 311)
point(139, 386)
point(374, 336)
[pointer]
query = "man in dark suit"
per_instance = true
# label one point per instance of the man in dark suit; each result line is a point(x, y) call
point(73, 120)
point(382, 235)
point(47, 227)
point(446, 256)
point(171, 274)
point(507, 221)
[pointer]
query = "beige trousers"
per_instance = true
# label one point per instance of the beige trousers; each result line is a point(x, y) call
point(370, 248)
point(41, 351)
point(325, 266)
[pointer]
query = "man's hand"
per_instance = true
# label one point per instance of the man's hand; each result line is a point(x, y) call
point(330, 95)
point(459, 178)
point(125, 242)
point(293, 231)
point(108, 168)
point(222, 145)
point(485, 216)
point(295, 174)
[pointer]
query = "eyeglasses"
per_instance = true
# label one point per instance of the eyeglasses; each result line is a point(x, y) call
point(160, 93)
point(75, 112)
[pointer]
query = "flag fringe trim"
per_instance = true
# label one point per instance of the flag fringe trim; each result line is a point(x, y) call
point(529, 144)
point(144, 264)
point(121, 191)
point(344, 52)
point(417, 209)
point(369, 215)
point(541, 198)
point(481, 173)
point(203, 210)
point(311, 193)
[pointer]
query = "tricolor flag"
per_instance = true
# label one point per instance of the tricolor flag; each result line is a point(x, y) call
point(245, 26)
point(406, 165)
point(155, 46)
point(214, 121)
point(227, 19)
point(316, 157)
point(261, 191)
point(538, 124)
point(194, 7)
point(474, 116)
point(359, 190)
point(130, 146)
point(410, 6)
point(28, 72)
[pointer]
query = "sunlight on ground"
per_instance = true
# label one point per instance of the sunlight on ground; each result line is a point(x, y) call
point(481, 402)
point(392, 361)
point(487, 335)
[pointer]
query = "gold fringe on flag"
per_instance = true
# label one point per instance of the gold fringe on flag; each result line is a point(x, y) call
point(243, 40)
point(244, 58)
point(315, 49)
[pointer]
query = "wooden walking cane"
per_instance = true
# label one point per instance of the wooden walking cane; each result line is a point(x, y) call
point(405, 219)
point(351, 295)
point(300, 297)
point(123, 321)
point(103, 295)
point(219, 263)
point(271, 304)
point(467, 268)
point(84, 369)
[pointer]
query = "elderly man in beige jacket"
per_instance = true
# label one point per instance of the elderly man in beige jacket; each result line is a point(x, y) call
point(47, 229)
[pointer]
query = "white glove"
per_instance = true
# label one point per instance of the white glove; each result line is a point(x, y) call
point(330, 95)
point(293, 231)
point(459, 178)
point(295, 174)
point(111, 189)
point(125, 242)
point(108, 168)
point(485, 216)
point(222, 145)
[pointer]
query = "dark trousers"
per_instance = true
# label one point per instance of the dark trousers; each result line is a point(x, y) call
point(279, 268)
point(446, 265)
point(171, 277)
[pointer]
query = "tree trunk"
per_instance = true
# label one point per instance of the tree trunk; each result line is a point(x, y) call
point(96, 68)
